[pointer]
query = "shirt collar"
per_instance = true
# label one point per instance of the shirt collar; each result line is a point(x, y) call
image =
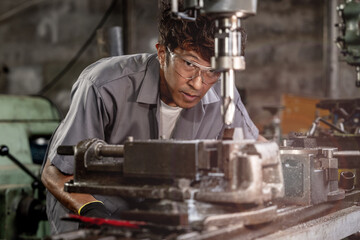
point(212, 95)
point(149, 90)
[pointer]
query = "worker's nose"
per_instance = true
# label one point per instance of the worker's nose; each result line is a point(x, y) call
point(196, 82)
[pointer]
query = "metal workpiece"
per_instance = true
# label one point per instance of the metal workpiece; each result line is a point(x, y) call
point(252, 174)
point(310, 175)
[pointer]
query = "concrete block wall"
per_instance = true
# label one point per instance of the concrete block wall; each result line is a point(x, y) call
point(284, 49)
point(39, 40)
point(285, 55)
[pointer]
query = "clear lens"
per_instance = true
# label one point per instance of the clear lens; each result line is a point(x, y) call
point(211, 75)
point(189, 70)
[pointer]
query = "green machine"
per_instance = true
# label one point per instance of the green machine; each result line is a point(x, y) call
point(349, 39)
point(26, 125)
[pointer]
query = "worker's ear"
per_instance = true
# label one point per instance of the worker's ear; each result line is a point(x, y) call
point(161, 50)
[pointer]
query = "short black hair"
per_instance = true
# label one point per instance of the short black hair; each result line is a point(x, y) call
point(189, 35)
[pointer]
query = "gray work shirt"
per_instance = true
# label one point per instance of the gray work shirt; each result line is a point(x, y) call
point(119, 97)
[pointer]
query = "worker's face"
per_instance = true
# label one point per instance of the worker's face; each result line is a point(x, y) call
point(184, 77)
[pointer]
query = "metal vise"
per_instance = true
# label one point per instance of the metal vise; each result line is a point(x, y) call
point(209, 171)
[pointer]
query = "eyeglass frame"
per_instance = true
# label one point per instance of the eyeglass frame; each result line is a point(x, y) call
point(200, 68)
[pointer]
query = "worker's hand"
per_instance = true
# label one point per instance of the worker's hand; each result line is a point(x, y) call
point(94, 209)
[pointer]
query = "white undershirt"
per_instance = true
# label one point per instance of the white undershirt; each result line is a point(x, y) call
point(168, 117)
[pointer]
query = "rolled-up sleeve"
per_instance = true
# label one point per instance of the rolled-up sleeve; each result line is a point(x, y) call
point(86, 119)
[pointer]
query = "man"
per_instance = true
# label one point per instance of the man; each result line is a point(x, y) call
point(171, 94)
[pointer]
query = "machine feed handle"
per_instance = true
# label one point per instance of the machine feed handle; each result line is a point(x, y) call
point(109, 150)
point(65, 150)
point(106, 150)
point(4, 151)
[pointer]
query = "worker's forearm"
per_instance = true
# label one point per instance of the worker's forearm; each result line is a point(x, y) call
point(54, 181)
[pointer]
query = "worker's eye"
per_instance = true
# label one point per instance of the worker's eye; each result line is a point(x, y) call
point(188, 63)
